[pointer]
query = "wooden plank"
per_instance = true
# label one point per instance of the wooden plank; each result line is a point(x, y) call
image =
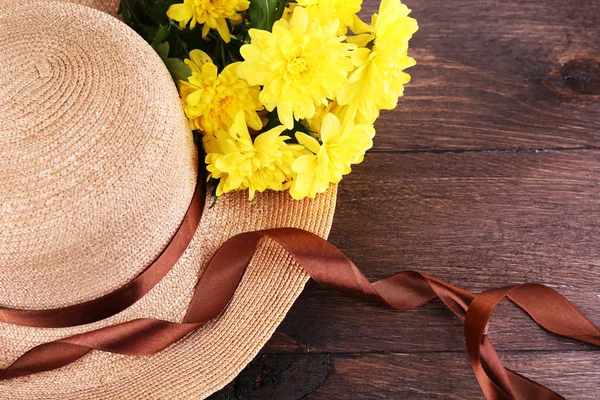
point(449, 375)
point(404, 376)
point(499, 74)
point(477, 220)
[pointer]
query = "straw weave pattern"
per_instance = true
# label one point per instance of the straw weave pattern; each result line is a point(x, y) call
point(97, 160)
point(108, 6)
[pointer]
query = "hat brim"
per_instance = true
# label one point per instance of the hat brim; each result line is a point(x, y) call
point(206, 360)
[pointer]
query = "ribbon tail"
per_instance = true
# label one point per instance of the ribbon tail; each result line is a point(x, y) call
point(546, 307)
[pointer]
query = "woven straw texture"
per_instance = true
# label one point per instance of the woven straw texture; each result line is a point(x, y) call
point(108, 6)
point(89, 120)
point(98, 169)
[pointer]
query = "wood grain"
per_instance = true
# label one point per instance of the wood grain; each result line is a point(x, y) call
point(487, 174)
point(418, 376)
point(489, 76)
point(407, 376)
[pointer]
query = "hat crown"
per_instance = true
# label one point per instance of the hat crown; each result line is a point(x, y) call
point(97, 162)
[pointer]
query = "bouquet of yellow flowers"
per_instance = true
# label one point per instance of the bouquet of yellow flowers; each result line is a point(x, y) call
point(284, 94)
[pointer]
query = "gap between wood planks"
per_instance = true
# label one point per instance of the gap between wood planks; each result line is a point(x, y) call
point(499, 150)
point(308, 352)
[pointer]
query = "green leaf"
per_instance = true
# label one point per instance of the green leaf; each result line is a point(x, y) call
point(264, 13)
point(161, 35)
point(162, 49)
point(179, 70)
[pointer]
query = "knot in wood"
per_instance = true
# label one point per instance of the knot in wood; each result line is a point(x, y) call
point(582, 75)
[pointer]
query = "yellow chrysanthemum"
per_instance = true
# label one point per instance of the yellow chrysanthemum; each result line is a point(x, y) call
point(242, 164)
point(379, 79)
point(343, 145)
point(212, 100)
point(300, 65)
point(328, 11)
point(346, 113)
point(211, 13)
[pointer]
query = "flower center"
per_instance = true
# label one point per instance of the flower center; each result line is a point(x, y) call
point(224, 102)
point(210, 5)
point(299, 68)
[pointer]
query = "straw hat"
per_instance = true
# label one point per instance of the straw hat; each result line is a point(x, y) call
point(108, 6)
point(98, 168)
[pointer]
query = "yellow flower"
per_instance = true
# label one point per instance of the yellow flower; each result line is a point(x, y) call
point(301, 65)
point(379, 79)
point(211, 13)
point(346, 113)
point(241, 164)
point(212, 100)
point(328, 11)
point(343, 145)
point(289, 11)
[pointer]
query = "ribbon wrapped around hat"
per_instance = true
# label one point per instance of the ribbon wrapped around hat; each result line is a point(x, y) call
point(328, 266)
point(282, 95)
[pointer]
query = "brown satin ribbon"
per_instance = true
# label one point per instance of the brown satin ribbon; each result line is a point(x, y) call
point(328, 266)
point(118, 300)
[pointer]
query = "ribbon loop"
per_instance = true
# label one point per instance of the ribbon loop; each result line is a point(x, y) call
point(548, 308)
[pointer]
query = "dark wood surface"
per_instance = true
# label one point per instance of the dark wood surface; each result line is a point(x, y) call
point(487, 174)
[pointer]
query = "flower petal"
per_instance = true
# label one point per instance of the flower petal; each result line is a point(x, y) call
point(309, 142)
point(331, 128)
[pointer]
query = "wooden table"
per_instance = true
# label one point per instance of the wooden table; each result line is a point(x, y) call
point(487, 174)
